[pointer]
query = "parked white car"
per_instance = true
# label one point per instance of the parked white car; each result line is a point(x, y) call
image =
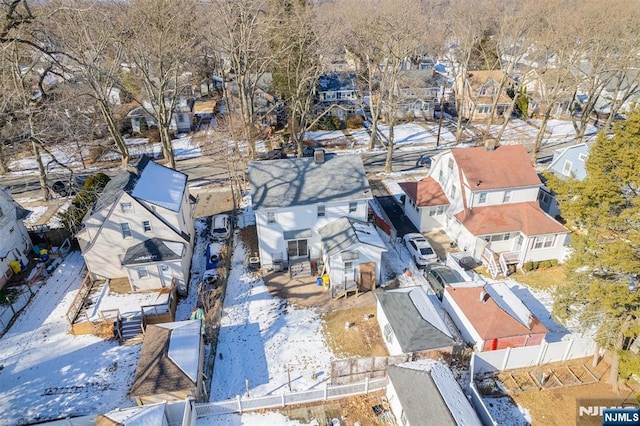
point(420, 249)
point(220, 227)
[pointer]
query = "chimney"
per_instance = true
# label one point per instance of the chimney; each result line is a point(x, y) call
point(318, 155)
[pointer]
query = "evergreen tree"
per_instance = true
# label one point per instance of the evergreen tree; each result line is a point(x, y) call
point(604, 212)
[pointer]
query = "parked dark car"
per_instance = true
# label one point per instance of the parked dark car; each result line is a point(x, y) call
point(274, 154)
point(308, 151)
point(424, 161)
point(438, 276)
point(66, 188)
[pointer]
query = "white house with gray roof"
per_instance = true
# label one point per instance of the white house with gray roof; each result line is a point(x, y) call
point(294, 198)
point(352, 253)
point(425, 392)
point(141, 227)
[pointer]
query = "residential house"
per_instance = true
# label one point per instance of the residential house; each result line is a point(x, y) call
point(295, 198)
point(181, 119)
point(338, 92)
point(549, 89)
point(352, 253)
point(141, 228)
point(492, 317)
point(16, 244)
point(426, 392)
point(410, 322)
point(204, 110)
point(569, 162)
point(419, 92)
point(477, 91)
point(161, 414)
point(170, 367)
point(492, 210)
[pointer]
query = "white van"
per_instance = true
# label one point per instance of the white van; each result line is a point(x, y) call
point(220, 227)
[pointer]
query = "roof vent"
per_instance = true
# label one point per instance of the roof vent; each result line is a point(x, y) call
point(484, 296)
point(318, 155)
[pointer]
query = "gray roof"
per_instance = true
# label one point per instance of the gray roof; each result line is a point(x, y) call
point(151, 250)
point(340, 235)
point(123, 181)
point(413, 332)
point(419, 396)
point(300, 181)
point(337, 81)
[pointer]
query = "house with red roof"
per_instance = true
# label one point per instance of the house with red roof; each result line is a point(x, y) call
point(487, 200)
point(492, 317)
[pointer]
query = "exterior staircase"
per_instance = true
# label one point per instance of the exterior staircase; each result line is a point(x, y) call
point(131, 330)
point(300, 268)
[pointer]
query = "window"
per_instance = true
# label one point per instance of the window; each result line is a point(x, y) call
point(497, 237)
point(452, 193)
point(436, 211)
point(321, 212)
point(126, 207)
point(126, 230)
point(483, 198)
point(441, 176)
point(180, 118)
point(566, 169)
point(142, 272)
point(388, 333)
point(271, 217)
point(297, 248)
point(582, 156)
point(545, 198)
point(507, 197)
point(544, 241)
point(353, 207)
point(484, 109)
point(450, 164)
point(146, 225)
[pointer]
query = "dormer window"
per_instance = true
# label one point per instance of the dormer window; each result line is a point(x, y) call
point(126, 207)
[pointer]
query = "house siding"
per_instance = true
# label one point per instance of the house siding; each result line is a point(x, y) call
point(104, 257)
point(366, 253)
point(392, 346)
point(15, 238)
point(270, 235)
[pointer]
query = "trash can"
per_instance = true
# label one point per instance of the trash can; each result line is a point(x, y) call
point(319, 281)
point(44, 255)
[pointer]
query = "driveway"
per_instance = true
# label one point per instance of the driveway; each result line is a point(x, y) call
point(400, 222)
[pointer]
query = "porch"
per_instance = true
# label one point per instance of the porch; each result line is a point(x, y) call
point(500, 263)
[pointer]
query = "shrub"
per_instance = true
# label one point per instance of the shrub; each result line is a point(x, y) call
point(329, 122)
point(354, 122)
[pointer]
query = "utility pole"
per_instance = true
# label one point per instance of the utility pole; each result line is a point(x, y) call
point(441, 115)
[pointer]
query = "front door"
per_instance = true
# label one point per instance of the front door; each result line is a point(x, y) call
point(297, 249)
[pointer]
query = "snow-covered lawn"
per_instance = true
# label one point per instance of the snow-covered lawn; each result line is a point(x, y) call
point(47, 373)
point(263, 341)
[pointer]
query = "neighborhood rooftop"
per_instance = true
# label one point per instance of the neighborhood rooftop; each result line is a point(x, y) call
point(302, 181)
point(505, 167)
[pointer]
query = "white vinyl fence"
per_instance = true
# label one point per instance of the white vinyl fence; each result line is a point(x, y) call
point(531, 356)
point(528, 356)
point(240, 404)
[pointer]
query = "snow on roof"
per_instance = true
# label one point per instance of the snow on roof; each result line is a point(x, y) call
point(139, 416)
point(427, 310)
point(161, 186)
point(510, 303)
point(367, 234)
point(184, 346)
point(456, 401)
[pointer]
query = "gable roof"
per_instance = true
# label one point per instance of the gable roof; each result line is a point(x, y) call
point(169, 359)
point(487, 317)
point(153, 250)
point(507, 166)
point(344, 233)
point(578, 169)
point(161, 186)
point(427, 389)
point(301, 181)
point(425, 192)
point(526, 217)
point(146, 181)
point(414, 319)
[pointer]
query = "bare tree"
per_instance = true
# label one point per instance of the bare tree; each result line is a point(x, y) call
point(93, 56)
point(158, 38)
point(300, 40)
point(242, 37)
